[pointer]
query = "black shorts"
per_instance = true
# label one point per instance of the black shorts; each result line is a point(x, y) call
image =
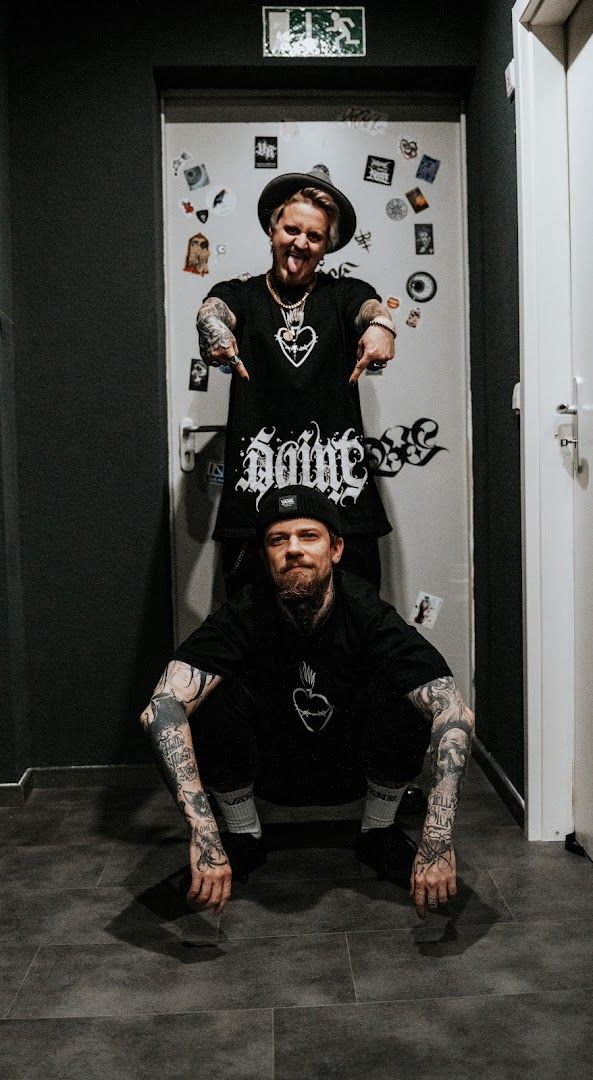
point(238, 740)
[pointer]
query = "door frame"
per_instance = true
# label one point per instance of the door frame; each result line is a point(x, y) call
point(546, 380)
point(217, 104)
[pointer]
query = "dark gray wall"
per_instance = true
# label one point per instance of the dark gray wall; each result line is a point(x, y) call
point(14, 727)
point(492, 191)
point(90, 393)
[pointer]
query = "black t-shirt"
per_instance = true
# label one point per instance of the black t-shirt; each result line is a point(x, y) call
point(318, 673)
point(297, 420)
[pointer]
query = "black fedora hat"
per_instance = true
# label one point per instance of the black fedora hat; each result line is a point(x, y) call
point(282, 187)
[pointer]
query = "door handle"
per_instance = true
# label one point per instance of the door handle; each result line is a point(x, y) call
point(565, 409)
point(188, 439)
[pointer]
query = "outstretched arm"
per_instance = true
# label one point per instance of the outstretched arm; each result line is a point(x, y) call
point(434, 873)
point(215, 322)
point(376, 344)
point(179, 691)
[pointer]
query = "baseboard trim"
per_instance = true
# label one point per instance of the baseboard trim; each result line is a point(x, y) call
point(500, 781)
point(79, 776)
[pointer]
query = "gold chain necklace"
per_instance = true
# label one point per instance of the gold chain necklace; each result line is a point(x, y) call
point(293, 314)
point(288, 307)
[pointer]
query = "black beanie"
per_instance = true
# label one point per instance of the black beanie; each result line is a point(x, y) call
point(296, 501)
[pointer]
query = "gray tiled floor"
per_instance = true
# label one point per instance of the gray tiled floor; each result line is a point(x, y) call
point(316, 970)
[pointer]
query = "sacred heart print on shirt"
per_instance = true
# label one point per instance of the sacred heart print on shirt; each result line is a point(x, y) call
point(314, 709)
point(296, 342)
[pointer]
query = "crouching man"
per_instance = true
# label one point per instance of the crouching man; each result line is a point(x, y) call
point(309, 689)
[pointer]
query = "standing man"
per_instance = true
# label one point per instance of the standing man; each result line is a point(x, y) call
point(313, 689)
point(298, 340)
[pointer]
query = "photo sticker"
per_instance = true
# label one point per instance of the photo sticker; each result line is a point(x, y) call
point(180, 161)
point(427, 169)
point(396, 209)
point(408, 148)
point(266, 152)
point(197, 256)
point(417, 200)
point(215, 473)
point(196, 176)
point(425, 610)
point(413, 318)
point(424, 239)
point(379, 170)
point(198, 374)
point(421, 287)
point(222, 201)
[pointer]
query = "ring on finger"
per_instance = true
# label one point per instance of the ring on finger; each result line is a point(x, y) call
point(236, 359)
point(377, 365)
point(433, 900)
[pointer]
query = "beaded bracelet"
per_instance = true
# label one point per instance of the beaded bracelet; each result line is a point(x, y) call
point(390, 329)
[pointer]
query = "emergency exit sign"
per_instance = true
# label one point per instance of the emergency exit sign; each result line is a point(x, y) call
point(314, 31)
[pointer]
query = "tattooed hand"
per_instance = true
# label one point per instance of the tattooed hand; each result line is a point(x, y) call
point(376, 344)
point(218, 345)
point(210, 867)
point(434, 874)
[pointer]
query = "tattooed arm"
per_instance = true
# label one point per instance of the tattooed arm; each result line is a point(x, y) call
point(179, 691)
point(376, 345)
point(433, 876)
point(215, 322)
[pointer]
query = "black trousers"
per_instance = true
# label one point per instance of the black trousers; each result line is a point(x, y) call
point(240, 740)
point(242, 563)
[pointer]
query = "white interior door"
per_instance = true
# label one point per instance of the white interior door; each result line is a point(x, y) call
point(580, 138)
point(416, 413)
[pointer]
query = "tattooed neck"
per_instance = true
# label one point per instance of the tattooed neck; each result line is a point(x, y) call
point(307, 610)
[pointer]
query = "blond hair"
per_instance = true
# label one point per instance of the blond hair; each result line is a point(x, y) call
point(323, 201)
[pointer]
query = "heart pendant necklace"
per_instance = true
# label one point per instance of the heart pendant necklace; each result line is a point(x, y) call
point(293, 314)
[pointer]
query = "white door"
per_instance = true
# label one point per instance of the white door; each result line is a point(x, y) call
point(416, 413)
point(580, 138)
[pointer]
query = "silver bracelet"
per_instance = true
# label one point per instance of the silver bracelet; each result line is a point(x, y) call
point(386, 326)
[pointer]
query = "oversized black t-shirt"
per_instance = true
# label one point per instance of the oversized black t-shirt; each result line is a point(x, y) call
point(311, 677)
point(297, 420)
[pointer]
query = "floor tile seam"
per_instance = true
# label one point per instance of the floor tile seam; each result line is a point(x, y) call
point(469, 926)
point(249, 937)
point(351, 968)
point(139, 1016)
point(273, 1025)
point(479, 996)
point(373, 1002)
point(259, 884)
point(500, 893)
point(22, 983)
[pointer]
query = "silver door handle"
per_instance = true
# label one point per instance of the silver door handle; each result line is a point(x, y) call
point(188, 438)
point(571, 410)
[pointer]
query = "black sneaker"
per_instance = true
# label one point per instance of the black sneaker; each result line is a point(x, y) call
point(245, 853)
point(413, 802)
point(388, 851)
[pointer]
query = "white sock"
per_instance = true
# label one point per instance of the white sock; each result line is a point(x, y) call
point(239, 811)
point(381, 805)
